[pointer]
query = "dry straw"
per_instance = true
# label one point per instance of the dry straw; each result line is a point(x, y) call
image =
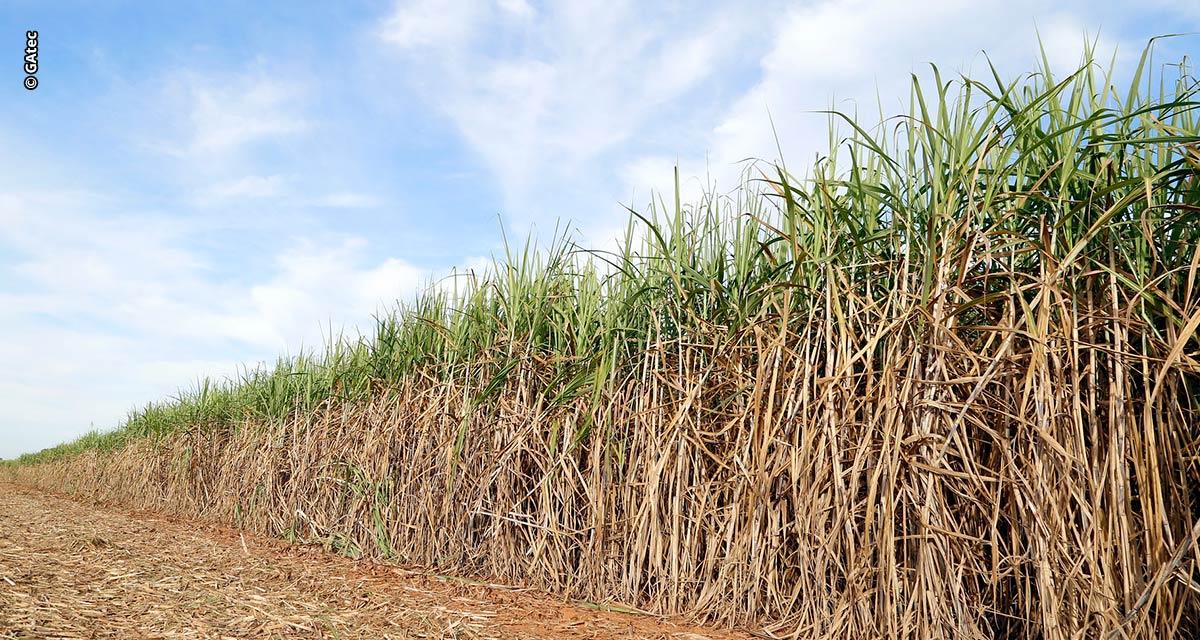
point(943, 387)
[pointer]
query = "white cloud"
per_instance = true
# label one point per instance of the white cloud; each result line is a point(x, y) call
point(850, 54)
point(429, 22)
point(208, 120)
point(518, 8)
point(279, 190)
point(550, 109)
point(606, 95)
point(348, 200)
point(1062, 38)
point(106, 311)
point(318, 282)
point(228, 114)
point(60, 247)
point(243, 188)
point(251, 137)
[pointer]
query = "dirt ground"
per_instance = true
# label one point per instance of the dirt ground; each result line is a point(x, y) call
point(70, 570)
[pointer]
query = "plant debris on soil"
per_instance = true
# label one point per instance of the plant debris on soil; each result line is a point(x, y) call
point(71, 570)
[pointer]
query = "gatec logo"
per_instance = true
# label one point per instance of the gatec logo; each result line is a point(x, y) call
point(31, 60)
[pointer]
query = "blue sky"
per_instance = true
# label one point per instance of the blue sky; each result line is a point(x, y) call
point(198, 186)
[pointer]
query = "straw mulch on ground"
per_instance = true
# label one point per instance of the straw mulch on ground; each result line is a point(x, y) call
point(68, 570)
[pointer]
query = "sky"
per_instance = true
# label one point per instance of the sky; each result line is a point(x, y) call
point(196, 187)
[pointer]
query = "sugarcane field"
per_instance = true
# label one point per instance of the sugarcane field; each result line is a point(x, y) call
point(898, 340)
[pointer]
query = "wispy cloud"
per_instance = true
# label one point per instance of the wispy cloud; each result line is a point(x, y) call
point(328, 283)
point(424, 23)
point(133, 304)
point(348, 200)
point(549, 100)
point(280, 190)
point(857, 57)
point(243, 188)
point(211, 123)
point(229, 113)
point(145, 275)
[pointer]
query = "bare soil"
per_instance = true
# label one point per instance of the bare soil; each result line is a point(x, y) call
point(72, 570)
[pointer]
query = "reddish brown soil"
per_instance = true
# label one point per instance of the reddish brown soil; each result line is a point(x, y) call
point(71, 570)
